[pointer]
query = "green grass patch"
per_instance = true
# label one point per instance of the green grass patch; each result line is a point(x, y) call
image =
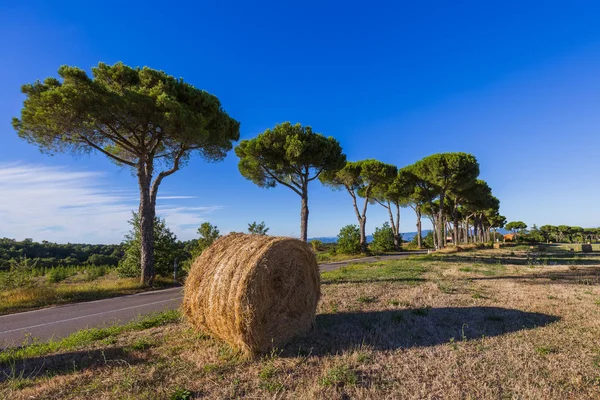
point(545, 350)
point(407, 271)
point(366, 299)
point(267, 379)
point(484, 269)
point(327, 257)
point(181, 394)
point(87, 336)
point(339, 376)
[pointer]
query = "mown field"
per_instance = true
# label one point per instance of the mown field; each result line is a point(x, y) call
point(498, 324)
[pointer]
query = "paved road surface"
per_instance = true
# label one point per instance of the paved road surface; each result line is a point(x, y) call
point(60, 321)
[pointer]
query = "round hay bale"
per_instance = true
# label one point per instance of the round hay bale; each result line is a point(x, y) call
point(254, 292)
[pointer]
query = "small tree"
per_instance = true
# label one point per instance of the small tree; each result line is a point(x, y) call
point(349, 240)
point(208, 234)
point(394, 195)
point(547, 232)
point(383, 238)
point(421, 194)
point(257, 229)
point(165, 248)
point(137, 117)
point(361, 179)
point(292, 156)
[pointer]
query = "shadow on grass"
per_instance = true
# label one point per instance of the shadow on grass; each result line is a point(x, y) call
point(538, 259)
point(408, 281)
point(582, 276)
point(64, 363)
point(389, 330)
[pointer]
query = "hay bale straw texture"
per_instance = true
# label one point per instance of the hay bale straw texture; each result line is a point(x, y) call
point(254, 292)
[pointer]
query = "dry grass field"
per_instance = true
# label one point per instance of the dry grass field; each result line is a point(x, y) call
point(489, 324)
point(40, 293)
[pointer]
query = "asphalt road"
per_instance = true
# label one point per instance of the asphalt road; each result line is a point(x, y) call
point(60, 321)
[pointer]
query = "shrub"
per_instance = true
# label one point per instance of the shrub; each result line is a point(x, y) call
point(20, 275)
point(15, 279)
point(128, 269)
point(383, 238)
point(93, 273)
point(58, 274)
point(316, 244)
point(349, 240)
point(426, 242)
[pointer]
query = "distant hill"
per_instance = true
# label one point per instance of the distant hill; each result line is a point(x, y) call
point(406, 236)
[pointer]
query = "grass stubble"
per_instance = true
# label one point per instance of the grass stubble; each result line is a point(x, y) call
point(427, 327)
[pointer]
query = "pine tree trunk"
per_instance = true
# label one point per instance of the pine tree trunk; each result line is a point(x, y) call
point(393, 224)
point(435, 235)
point(441, 238)
point(147, 214)
point(304, 217)
point(363, 236)
point(419, 234)
point(397, 239)
point(456, 230)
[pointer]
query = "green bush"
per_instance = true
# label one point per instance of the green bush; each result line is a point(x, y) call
point(58, 274)
point(15, 279)
point(333, 249)
point(316, 244)
point(128, 268)
point(92, 273)
point(383, 238)
point(426, 241)
point(348, 240)
point(20, 275)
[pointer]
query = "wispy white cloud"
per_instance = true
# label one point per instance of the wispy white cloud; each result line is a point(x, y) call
point(59, 204)
point(175, 197)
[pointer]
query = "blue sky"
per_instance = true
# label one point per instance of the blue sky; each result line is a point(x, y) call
point(514, 83)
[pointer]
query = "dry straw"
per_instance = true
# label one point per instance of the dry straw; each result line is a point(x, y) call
point(254, 292)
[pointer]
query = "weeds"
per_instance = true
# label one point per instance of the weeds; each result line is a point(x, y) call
point(339, 376)
point(364, 358)
point(545, 350)
point(181, 394)
point(267, 379)
point(446, 287)
point(366, 299)
point(140, 345)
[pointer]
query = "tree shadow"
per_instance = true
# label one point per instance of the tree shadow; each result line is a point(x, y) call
point(389, 330)
point(408, 281)
point(575, 276)
point(532, 259)
point(64, 363)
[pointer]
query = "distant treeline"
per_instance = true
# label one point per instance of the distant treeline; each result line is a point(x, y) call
point(47, 254)
point(560, 234)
